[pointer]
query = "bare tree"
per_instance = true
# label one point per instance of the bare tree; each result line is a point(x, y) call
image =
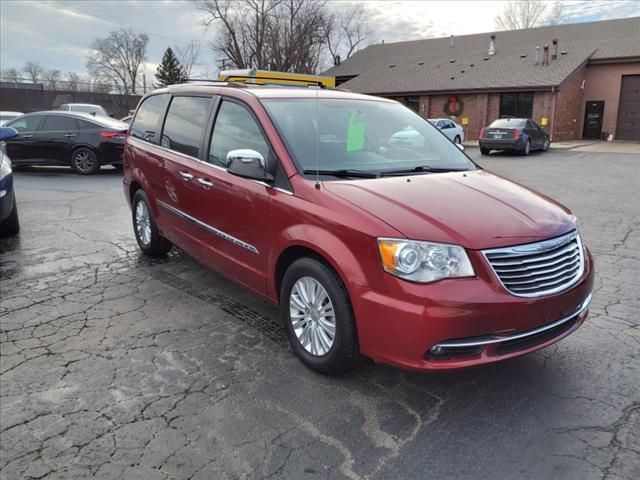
point(521, 14)
point(118, 58)
point(52, 79)
point(188, 55)
point(73, 82)
point(557, 14)
point(268, 34)
point(11, 75)
point(33, 70)
point(347, 30)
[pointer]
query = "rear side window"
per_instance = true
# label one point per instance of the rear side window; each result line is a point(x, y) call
point(26, 124)
point(83, 124)
point(147, 121)
point(235, 128)
point(54, 123)
point(185, 124)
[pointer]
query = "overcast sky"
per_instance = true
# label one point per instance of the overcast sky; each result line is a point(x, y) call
point(57, 33)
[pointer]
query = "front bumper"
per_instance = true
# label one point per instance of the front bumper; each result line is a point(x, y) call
point(502, 144)
point(476, 318)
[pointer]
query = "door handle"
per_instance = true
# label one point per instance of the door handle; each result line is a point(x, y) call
point(205, 183)
point(27, 135)
point(186, 176)
point(69, 135)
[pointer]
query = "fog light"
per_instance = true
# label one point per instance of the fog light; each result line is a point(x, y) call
point(436, 349)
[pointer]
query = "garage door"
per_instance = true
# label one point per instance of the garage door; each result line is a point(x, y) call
point(629, 113)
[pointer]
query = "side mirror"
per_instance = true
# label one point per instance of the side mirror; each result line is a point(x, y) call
point(249, 164)
point(460, 146)
point(8, 132)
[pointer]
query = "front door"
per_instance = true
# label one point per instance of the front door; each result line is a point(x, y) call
point(593, 120)
point(234, 210)
point(24, 147)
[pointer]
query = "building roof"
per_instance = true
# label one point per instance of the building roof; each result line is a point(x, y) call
point(432, 65)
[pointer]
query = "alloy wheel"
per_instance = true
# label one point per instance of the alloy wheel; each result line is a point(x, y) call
point(84, 160)
point(312, 316)
point(143, 223)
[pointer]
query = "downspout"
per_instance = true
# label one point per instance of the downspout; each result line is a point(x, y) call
point(553, 113)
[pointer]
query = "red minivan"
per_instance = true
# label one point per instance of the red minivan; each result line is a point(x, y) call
point(374, 233)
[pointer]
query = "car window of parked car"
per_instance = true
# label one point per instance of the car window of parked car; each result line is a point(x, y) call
point(147, 120)
point(54, 123)
point(508, 123)
point(185, 124)
point(83, 124)
point(28, 123)
point(235, 128)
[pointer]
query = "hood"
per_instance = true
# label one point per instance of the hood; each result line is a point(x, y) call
point(475, 209)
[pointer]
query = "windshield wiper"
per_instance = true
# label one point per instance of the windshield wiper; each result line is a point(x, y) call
point(421, 169)
point(342, 173)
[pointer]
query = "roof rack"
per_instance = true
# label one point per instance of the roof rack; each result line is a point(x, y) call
point(277, 79)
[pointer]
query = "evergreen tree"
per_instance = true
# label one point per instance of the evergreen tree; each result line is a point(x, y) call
point(170, 71)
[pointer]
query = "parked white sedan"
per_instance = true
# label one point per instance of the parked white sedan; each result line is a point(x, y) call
point(450, 128)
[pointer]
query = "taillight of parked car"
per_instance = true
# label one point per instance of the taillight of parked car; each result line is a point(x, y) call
point(482, 133)
point(121, 135)
point(516, 133)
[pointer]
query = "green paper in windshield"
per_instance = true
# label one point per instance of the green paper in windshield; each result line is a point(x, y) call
point(355, 133)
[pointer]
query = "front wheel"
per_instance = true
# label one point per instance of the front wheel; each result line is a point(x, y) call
point(546, 144)
point(527, 148)
point(84, 161)
point(318, 317)
point(144, 226)
point(457, 140)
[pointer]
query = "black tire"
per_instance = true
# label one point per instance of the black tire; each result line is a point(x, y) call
point(527, 148)
point(157, 245)
point(11, 224)
point(457, 140)
point(546, 144)
point(84, 161)
point(344, 352)
point(484, 151)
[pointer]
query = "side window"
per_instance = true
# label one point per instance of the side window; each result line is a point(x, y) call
point(235, 128)
point(55, 123)
point(439, 124)
point(84, 125)
point(147, 120)
point(448, 124)
point(185, 124)
point(26, 124)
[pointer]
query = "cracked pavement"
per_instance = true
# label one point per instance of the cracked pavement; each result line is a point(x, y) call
point(113, 365)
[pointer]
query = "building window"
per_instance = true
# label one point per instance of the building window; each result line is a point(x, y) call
point(516, 104)
point(412, 102)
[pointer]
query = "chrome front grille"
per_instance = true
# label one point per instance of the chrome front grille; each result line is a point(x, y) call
point(541, 268)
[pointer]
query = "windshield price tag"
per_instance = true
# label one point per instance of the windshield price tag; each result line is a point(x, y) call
point(355, 133)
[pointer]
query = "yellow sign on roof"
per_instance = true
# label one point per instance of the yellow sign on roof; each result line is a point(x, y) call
point(266, 77)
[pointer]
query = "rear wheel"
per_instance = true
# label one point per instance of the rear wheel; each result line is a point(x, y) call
point(484, 151)
point(527, 148)
point(11, 224)
point(84, 161)
point(318, 317)
point(144, 226)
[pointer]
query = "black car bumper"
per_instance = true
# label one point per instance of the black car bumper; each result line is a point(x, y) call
point(110, 153)
point(502, 143)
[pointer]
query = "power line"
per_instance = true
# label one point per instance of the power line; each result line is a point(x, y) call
point(122, 24)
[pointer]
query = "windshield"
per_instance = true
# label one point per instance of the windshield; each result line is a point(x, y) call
point(89, 109)
point(508, 123)
point(362, 135)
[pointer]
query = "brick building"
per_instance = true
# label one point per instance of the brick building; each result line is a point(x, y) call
point(584, 84)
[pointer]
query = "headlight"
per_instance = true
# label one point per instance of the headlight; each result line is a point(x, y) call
point(423, 261)
point(5, 166)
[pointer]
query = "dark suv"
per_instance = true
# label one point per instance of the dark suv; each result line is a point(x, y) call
point(405, 252)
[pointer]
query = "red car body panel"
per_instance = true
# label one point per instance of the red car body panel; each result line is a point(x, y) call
point(397, 320)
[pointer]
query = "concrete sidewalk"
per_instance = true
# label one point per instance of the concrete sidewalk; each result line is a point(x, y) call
point(594, 146)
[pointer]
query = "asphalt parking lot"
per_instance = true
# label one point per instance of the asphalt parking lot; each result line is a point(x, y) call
point(117, 366)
